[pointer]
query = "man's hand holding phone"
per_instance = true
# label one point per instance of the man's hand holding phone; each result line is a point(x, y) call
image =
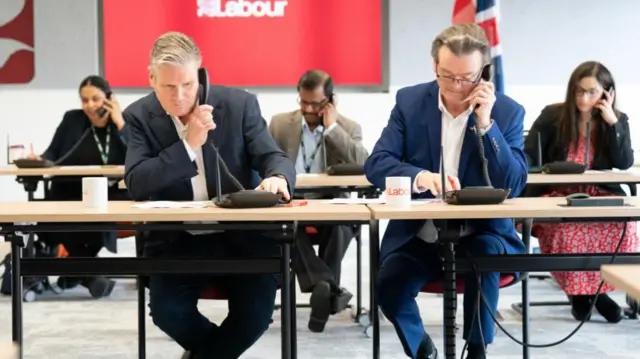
point(200, 122)
point(481, 99)
point(329, 114)
point(427, 181)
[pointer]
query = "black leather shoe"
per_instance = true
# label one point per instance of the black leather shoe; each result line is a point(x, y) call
point(340, 300)
point(427, 350)
point(68, 282)
point(321, 306)
point(609, 309)
point(476, 351)
point(99, 287)
point(581, 307)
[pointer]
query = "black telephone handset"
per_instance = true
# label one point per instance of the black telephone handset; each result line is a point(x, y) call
point(570, 167)
point(243, 198)
point(476, 195)
point(329, 101)
point(102, 111)
point(596, 113)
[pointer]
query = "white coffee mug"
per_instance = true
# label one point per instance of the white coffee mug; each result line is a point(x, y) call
point(95, 192)
point(398, 191)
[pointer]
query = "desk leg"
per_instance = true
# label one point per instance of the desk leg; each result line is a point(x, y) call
point(374, 263)
point(285, 292)
point(526, 238)
point(29, 249)
point(449, 300)
point(142, 318)
point(294, 317)
point(359, 310)
point(16, 291)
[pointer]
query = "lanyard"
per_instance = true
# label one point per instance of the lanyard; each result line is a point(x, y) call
point(104, 151)
point(307, 164)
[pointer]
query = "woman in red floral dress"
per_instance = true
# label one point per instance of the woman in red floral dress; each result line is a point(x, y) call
point(561, 130)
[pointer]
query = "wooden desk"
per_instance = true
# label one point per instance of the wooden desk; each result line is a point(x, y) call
point(318, 180)
point(116, 171)
point(599, 177)
point(66, 215)
point(323, 180)
point(623, 277)
point(123, 211)
point(8, 351)
point(527, 208)
point(530, 208)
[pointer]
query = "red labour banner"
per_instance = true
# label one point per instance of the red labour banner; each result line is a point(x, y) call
point(249, 42)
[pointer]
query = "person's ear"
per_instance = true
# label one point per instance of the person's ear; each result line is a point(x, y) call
point(151, 77)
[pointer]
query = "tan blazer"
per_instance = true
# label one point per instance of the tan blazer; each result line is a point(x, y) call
point(343, 144)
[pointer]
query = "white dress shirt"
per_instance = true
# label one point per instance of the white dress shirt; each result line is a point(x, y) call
point(198, 182)
point(452, 136)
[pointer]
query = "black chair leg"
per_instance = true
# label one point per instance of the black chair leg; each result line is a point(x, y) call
point(359, 312)
point(294, 317)
point(142, 324)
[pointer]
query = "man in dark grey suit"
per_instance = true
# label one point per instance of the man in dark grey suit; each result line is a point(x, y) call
point(314, 137)
point(168, 158)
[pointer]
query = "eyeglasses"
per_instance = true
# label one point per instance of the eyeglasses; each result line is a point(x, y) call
point(314, 105)
point(458, 80)
point(591, 93)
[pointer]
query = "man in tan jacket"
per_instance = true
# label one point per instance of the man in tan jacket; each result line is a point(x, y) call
point(315, 137)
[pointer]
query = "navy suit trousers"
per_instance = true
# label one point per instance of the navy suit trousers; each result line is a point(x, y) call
point(404, 272)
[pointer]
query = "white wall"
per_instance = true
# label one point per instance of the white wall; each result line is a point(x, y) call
point(542, 43)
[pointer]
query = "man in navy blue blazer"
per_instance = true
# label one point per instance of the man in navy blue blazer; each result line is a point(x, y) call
point(169, 157)
point(446, 114)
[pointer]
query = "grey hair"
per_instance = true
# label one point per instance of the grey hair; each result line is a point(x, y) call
point(462, 39)
point(175, 48)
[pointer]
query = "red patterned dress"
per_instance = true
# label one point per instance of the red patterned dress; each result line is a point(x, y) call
point(602, 237)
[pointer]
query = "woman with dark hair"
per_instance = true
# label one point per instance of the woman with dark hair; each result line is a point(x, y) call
point(93, 135)
point(561, 130)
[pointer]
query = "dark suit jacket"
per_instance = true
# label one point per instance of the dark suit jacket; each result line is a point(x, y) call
point(158, 166)
point(411, 142)
point(619, 154)
point(69, 132)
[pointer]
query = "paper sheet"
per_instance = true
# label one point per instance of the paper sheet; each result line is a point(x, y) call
point(630, 171)
point(356, 201)
point(171, 204)
point(92, 167)
point(378, 201)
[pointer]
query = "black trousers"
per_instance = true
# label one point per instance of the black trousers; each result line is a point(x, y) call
point(251, 297)
point(326, 265)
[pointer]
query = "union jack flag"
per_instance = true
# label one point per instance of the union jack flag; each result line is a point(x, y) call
point(486, 14)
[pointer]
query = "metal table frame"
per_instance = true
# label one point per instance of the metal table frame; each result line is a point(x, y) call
point(523, 263)
point(282, 231)
point(518, 306)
